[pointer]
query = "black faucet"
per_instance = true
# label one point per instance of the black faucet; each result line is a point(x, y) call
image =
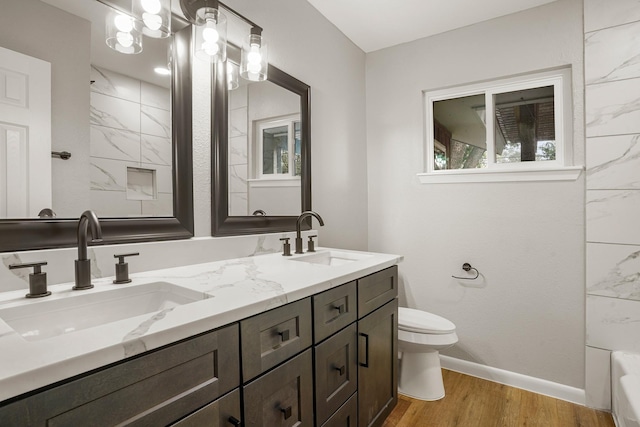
point(301, 218)
point(83, 264)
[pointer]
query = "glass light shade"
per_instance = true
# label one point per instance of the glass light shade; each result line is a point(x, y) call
point(254, 61)
point(232, 75)
point(154, 17)
point(210, 35)
point(122, 34)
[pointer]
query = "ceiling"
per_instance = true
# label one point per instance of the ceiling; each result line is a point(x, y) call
point(377, 24)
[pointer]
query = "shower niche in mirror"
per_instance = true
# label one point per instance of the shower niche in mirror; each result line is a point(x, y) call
point(127, 127)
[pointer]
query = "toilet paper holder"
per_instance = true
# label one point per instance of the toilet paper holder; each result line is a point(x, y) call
point(467, 267)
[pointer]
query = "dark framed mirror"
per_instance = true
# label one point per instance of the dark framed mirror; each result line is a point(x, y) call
point(30, 233)
point(224, 222)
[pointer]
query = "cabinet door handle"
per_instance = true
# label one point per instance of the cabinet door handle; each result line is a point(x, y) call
point(340, 308)
point(284, 335)
point(234, 421)
point(286, 412)
point(366, 350)
point(342, 369)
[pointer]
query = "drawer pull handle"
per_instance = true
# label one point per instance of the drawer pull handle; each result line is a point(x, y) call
point(340, 308)
point(286, 412)
point(284, 335)
point(366, 350)
point(342, 369)
point(234, 421)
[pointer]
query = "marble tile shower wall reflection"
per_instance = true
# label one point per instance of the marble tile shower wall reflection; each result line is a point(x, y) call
point(238, 152)
point(130, 146)
point(612, 111)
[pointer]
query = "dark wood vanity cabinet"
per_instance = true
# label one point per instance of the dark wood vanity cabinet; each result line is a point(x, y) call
point(329, 360)
point(154, 389)
point(282, 397)
point(378, 347)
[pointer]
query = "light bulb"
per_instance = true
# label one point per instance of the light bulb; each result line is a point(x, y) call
point(210, 49)
point(210, 33)
point(123, 23)
point(254, 68)
point(125, 39)
point(254, 57)
point(151, 6)
point(151, 21)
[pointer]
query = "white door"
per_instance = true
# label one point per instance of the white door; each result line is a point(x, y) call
point(25, 135)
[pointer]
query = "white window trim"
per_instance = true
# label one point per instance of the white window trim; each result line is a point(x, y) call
point(554, 170)
point(280, 181)
point(270, 123)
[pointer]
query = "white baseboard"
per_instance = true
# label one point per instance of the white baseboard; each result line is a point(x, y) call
point(513, 379)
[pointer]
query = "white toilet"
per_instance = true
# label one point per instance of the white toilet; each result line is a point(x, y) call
point(421, 336)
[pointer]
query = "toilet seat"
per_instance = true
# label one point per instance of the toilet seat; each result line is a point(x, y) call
point(421, 322)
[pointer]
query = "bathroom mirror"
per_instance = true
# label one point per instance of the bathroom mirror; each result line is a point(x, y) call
point(261, 154)
point(158, 197)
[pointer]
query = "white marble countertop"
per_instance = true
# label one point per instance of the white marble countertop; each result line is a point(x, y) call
point(231, 290)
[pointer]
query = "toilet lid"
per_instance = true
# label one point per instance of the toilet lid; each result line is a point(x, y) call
point(419, 321)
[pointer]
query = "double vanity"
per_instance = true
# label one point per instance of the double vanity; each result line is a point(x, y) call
point(267, 340)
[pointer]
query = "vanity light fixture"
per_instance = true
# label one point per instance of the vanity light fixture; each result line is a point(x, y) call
point(210, 40)
point(154, 17)
point(210, 32)
point(122, 34)
point(253, 63)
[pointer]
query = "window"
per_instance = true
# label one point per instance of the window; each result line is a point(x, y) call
point(520, 126)
point(279, 150)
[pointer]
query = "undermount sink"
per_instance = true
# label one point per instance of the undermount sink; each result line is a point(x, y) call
point(45, 319)
point(331, 258)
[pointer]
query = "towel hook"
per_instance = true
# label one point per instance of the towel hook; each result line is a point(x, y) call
point(467, 267)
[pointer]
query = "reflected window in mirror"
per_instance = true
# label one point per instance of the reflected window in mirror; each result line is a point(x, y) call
point(522, 122)
point(265, 149)
point(278, 146)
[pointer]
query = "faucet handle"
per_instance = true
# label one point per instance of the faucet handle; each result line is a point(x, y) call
point(37, 279)
point(286, 247)
point(311, 244)
point(122, 268)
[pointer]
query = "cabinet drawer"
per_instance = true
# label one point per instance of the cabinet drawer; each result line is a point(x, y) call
point(346, 416)
point(333, 310)
point(224, 412)
point(336, 368)
point(154, 389)
point(272, 337)
point(282, 397)
point(376, 290)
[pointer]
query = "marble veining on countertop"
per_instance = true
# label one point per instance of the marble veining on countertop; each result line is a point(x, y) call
point(231, 290)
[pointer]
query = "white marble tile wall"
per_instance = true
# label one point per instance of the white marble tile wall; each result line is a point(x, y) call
point(130, 127)
point(613, 162)
point(612, 112)
point(238, 152)
point(613, 270)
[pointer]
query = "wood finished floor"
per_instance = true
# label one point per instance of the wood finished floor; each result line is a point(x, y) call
point(473, 402)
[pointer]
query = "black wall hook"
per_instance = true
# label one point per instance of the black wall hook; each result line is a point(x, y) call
point(467, 267)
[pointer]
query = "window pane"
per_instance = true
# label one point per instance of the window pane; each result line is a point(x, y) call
point(275, 150)
point(525, 126)
point(460, 133)
point(297, 160)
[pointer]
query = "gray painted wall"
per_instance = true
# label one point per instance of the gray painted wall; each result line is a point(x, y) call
point(527, 239)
